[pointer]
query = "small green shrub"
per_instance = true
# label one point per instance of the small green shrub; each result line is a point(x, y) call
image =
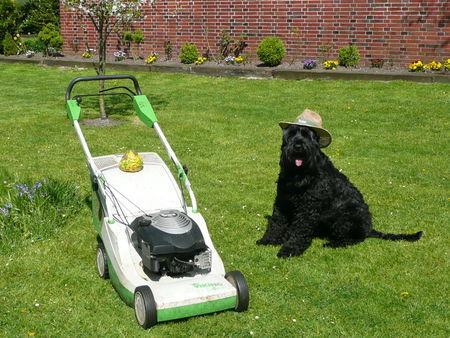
point(9, 46)
point(34, 44)
point(127, 36)
point(189, 53)
point(348, 56)
point(51, 38)
point(7, 19)
point(271, 51)
point(138, 37)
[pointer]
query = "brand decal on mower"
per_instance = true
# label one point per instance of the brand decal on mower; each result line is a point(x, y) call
point(206, 285)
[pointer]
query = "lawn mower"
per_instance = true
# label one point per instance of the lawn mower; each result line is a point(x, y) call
point(154, 247)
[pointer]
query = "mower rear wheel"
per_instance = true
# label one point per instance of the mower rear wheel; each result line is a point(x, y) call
point(237, 279)
point(102, 262)
point(145, 307)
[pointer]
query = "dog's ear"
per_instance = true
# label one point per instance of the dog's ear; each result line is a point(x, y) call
point(284, 137)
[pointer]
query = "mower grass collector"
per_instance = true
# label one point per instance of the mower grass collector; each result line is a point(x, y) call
point(155, 248)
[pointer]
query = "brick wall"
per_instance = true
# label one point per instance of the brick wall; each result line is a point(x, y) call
point(400, 30)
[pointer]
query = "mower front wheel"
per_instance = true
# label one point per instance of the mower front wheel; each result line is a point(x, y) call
point(102, 262)
point(237, 279)
point(145, 307)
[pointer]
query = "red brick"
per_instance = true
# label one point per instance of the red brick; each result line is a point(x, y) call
point(316, 21)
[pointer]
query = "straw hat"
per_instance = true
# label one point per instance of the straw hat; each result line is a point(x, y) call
point(311, 120)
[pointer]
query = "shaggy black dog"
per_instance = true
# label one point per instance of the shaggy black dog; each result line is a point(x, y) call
point(315, 200)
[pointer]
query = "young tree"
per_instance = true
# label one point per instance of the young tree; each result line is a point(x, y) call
point(106, 16)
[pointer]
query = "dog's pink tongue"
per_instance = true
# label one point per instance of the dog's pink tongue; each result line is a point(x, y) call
point(298, 163)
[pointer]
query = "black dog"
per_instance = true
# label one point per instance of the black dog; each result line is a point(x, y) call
point(315, 200)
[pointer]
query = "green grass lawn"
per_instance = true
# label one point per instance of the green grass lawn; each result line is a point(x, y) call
point(391, 139)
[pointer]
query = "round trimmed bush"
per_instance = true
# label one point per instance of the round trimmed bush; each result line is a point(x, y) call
point(271, 51)
point(51, 37)
point(348, 56)
point(189, 53)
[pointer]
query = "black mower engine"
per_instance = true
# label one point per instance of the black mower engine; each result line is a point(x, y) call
point(170, 242)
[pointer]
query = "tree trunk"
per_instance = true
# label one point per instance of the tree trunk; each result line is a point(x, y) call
point(101, 71)
point(101, 101)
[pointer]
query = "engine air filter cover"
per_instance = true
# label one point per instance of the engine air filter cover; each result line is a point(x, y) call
point(168, 232)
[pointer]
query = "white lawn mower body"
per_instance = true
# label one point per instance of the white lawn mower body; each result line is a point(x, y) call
point(156, 249)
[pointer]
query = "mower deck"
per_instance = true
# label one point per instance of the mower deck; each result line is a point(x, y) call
point(152, 188)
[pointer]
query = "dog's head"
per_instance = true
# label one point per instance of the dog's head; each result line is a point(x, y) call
point(300, 149)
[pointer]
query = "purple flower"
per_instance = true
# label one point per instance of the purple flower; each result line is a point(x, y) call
point(22, 187)
point(229, 59)
point(309, 64)
point(4, 211)
point(37, 185)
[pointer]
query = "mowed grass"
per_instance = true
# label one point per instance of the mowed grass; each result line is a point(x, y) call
point(391, 139)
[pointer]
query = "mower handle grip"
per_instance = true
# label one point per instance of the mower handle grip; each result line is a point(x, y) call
point(100, 78)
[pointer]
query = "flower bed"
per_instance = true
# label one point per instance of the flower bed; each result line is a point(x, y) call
point(249, 68)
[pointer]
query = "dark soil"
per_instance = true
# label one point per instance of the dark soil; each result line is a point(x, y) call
point(101, 122)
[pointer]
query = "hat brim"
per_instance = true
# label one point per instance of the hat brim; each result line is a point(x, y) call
point(324, 135)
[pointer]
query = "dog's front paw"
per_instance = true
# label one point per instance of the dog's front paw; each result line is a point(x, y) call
point(283, 254)
point(262, 241)
point(286, 252)
point(268, 241)
point(291, 251)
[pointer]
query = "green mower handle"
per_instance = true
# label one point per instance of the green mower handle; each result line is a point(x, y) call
point(141, 104)
point(100, 78)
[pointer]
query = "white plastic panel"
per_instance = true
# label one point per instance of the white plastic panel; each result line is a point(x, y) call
point(151, 189)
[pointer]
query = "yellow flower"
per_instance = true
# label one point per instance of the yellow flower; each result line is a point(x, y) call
point(447, 65)
point(152, 58)
point(200, 60)
point(330, 64)
point(434, 65)
point(405, 293)
point(416, 66)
